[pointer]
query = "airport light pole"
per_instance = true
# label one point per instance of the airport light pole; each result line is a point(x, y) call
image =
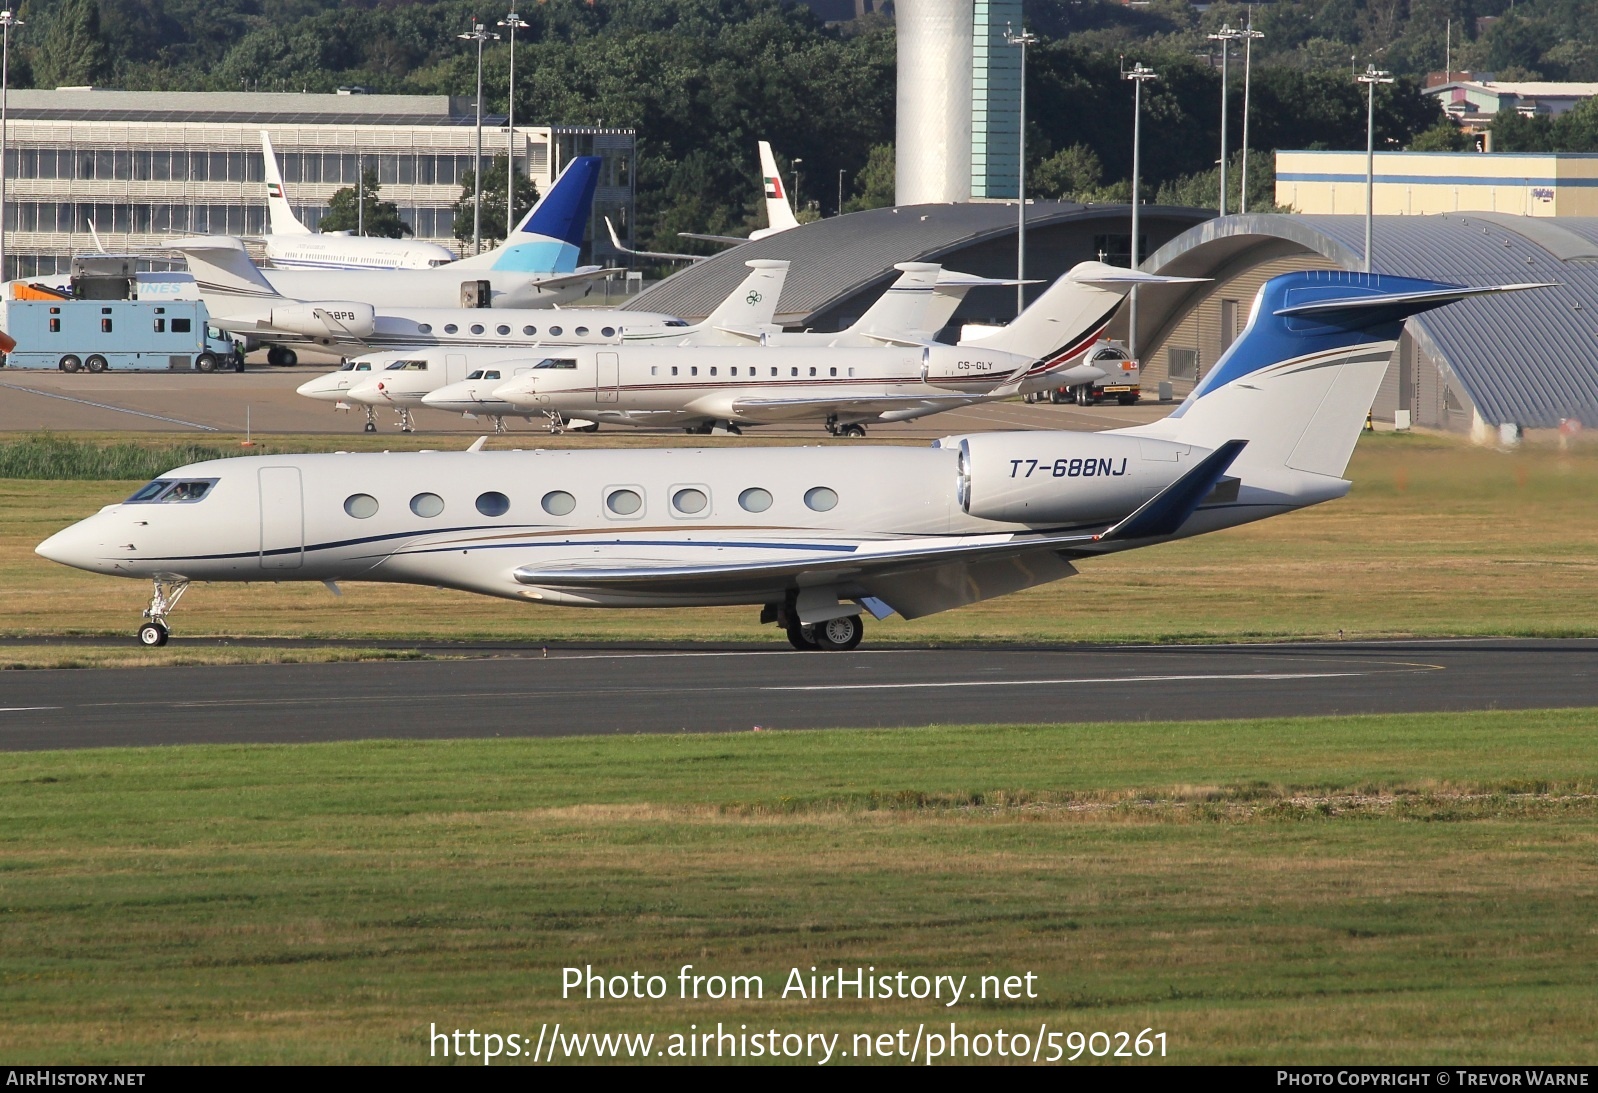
point(1248, 35)
point(8, 19)
point(1226, 36)
point(1139, 75)
point(1370, 79)
point(1022, 40)
point(796, 164)
point(481, 35)
point(840, 191)
point(512, 23)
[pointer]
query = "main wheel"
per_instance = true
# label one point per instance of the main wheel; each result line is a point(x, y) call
point(290, 358)
point(1055, 396)
point(70, 363)
point(274, 355)
point(802, 637)
point(852, 430)
point(153, 634)
point(205, 362)
point(840, 635)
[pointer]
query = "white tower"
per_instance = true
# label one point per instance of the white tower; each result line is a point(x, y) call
point(933, 146)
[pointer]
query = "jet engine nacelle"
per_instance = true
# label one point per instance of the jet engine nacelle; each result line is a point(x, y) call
point(325, 320)
point(1064, 478)
point(960, 366)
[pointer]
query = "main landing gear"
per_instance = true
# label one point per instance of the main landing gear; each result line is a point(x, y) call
point(834, 635)
point(407, 424)
point(167, 594)
point(853, 429)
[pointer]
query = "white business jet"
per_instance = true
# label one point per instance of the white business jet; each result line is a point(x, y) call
point(535, 268)
point(814, 537)
point(779, 216)
point(842, 383)
point(401, 380)
point(909, 312)
point(291, 245)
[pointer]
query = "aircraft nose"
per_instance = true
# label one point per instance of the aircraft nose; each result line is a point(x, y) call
point(517, 392)
point(74, 546)
point(321, 385)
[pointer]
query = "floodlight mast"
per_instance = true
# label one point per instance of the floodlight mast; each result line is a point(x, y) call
point(1371, 77)
point(512, 23)
point(1226, 36)
point(1139, 75)
point(481, 35)
point(1024, 39)
point(8, 19)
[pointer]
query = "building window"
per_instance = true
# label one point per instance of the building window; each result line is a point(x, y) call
point(1184, 364)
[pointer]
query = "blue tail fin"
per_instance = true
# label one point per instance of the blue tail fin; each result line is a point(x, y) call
point(549, 237)
point(1300, 379)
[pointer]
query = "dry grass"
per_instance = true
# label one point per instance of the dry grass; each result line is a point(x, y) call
point(1417, 890)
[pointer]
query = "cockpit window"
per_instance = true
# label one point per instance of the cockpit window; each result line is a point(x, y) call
point(475, 375)
point(407, 366)
point(556, 362)
point(165, 491)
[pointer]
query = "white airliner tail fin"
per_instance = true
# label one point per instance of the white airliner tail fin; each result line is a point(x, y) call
point(279, 214)
point(223, 272)
point(779, 214)
point(748, 310)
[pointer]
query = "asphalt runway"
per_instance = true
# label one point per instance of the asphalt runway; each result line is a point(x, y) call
point(515, 691)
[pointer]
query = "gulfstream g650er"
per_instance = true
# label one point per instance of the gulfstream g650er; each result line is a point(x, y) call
point(813, 537)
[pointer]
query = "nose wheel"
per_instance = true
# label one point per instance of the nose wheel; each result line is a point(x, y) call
point(163, 600)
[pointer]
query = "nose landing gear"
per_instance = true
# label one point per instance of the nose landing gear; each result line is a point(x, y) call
point(163, 601)
point(371, 419)
point(407, 424)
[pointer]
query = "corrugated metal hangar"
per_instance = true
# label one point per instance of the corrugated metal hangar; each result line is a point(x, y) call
point(1528, 360)
point(841, 264)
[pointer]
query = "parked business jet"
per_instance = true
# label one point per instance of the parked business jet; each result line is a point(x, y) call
point(814, 537)
point(842, 384)
point(909, 312)
point(779, 217)
point(291, 245)
point(535, 268)
point(400, 379)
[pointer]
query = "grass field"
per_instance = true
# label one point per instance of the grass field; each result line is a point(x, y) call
point(1381, 889)
point(1437, 538)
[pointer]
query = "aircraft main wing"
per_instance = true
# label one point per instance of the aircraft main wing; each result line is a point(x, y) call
point(915, 577)
point(858, 404)
point(713, 238)
point(848, 561)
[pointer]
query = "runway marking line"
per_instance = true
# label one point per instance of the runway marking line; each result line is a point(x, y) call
point(25, 709)
point(108, 406)
point(1246, 676)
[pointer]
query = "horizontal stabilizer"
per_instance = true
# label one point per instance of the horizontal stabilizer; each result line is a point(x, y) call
point(1372, 309)
point(1166, 512)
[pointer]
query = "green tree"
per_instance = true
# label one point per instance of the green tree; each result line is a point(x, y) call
point(381, 218)
point(71, 52)
point(874, 185)
point(1067, 175)
point(1445, 136)
point(493, 217)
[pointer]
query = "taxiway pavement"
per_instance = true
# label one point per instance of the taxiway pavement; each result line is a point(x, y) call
point(517, 691)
